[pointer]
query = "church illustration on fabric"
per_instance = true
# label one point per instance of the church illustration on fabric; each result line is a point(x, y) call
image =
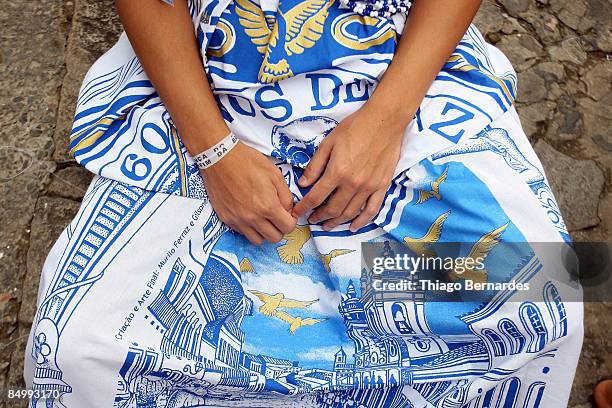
point(203, 358)
point(393, 342)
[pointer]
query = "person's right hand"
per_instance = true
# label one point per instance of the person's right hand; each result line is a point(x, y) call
point(250, 195)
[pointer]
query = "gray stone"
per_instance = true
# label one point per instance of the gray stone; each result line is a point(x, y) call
point(16, 161)
point(572, 14)
point(567, 123)
point(601, 109)
point(551, 72)
point(522, 49)
point(577, 185)
point(535, 116)
point(600, 12)
point(17, 201)
point(603, 37)
point(603, 141)
point(570, 50)
point(9, 305)
point(598, 79)
point(532, 87)
point(545, 25)
point(515, 7)
point(71, 182)
point(595, 363)
point(573, 86)
point(512, 26)
point(15, 378)
point(595, 144)
point(489, 19)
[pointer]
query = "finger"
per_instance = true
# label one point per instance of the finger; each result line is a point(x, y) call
point(369, 212)
point(316, 196)
point(268, 231)
point(352, 210)
point(284, 194)
point(283, 220)
point(253, 236)
point(315, 167)
point(334, 207)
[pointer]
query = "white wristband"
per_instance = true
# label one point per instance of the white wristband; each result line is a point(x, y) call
point(210, 156)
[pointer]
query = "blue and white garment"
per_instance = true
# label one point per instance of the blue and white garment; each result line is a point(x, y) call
point(148, 300)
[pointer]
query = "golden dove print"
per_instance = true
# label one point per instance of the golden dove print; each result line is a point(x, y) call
point(272, 304)
point(246, 266)
point(434, 191)
point(480, 250)
point(327, 258)
point(421, 246)
point(291, 251)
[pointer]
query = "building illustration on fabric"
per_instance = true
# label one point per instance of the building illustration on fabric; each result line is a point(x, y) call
point(98, 232)
point(74, 279)
point(203, 358)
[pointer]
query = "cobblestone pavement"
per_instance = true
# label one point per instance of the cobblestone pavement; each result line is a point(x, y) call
point(562, 50)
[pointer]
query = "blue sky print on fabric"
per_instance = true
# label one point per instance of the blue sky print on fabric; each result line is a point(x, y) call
point(216, 361)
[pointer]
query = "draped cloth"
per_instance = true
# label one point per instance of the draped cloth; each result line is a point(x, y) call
point(148, 300)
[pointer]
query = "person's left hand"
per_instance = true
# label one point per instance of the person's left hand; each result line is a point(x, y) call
point(352, 170)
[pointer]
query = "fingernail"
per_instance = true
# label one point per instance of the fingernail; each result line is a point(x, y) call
point(302, 180)
point(353, 229)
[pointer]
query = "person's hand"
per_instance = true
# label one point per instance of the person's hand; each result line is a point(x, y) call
point(250, 195)
point(351, 171)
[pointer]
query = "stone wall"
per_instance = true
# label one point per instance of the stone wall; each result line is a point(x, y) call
point(562, 50)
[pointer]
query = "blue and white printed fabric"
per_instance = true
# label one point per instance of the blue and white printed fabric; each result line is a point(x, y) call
point(148, 300)
point(319, 63)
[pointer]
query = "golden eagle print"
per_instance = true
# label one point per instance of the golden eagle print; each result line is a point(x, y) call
point(292, 32)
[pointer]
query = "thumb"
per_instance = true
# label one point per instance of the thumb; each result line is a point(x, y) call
point(284, 194)
point(317, 164)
